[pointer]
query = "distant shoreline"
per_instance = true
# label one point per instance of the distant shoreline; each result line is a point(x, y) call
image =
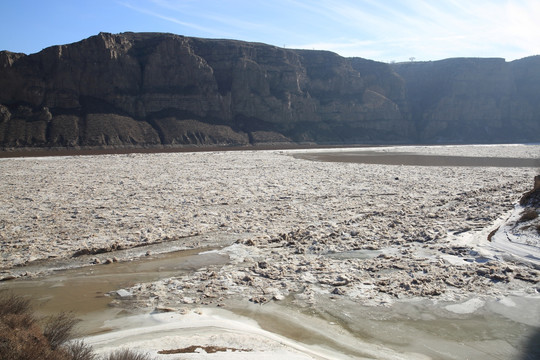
point(42, 152)
point(411, 159)
point(84, 151)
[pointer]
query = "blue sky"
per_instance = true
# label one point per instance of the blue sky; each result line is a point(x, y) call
point(381, 30)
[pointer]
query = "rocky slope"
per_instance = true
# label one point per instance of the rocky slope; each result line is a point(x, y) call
point(150, 89)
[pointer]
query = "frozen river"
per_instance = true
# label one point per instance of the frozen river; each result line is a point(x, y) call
point(337, 259)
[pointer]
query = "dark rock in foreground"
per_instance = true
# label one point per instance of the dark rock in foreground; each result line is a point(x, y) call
point(532, 198)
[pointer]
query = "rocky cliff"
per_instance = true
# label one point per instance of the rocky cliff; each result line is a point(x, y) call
point(149, 89)
point(474, 100)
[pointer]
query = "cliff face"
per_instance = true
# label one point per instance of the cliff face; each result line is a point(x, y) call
point(145, 89)
point(474, 100)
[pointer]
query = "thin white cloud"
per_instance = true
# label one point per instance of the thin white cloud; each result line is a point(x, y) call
point(235, 23)
point(389, 30)
point(434, 30)
point(168, 18)
point(224, 25)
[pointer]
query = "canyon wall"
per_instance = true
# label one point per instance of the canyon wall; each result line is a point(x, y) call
point(152, 89)
point(474, 100)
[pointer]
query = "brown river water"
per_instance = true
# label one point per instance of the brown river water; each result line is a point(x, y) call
point(82, 291)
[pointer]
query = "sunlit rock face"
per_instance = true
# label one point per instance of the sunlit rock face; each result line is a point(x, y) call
point(151, 89)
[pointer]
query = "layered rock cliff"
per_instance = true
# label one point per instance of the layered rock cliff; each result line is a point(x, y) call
point(149, 89)
point(474, 100)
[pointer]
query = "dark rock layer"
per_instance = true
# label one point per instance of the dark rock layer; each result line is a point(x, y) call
point(149, 89)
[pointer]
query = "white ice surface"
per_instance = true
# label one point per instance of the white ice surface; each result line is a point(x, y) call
point(518, 243)
point(151, 333)
point(466, 307)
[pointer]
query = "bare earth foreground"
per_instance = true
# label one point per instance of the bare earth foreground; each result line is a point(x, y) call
point(333, 238)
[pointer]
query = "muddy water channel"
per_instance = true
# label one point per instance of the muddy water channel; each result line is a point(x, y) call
point(84, 291)
point(498, 329)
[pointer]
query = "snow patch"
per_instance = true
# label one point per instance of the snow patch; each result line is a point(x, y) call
point(468, 307)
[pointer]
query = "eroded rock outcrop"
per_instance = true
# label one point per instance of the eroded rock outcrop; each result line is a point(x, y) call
point(162, 89)
point(152, 89)
point(532, 198)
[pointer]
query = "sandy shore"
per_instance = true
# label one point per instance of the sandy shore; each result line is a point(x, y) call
point(294, 230)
